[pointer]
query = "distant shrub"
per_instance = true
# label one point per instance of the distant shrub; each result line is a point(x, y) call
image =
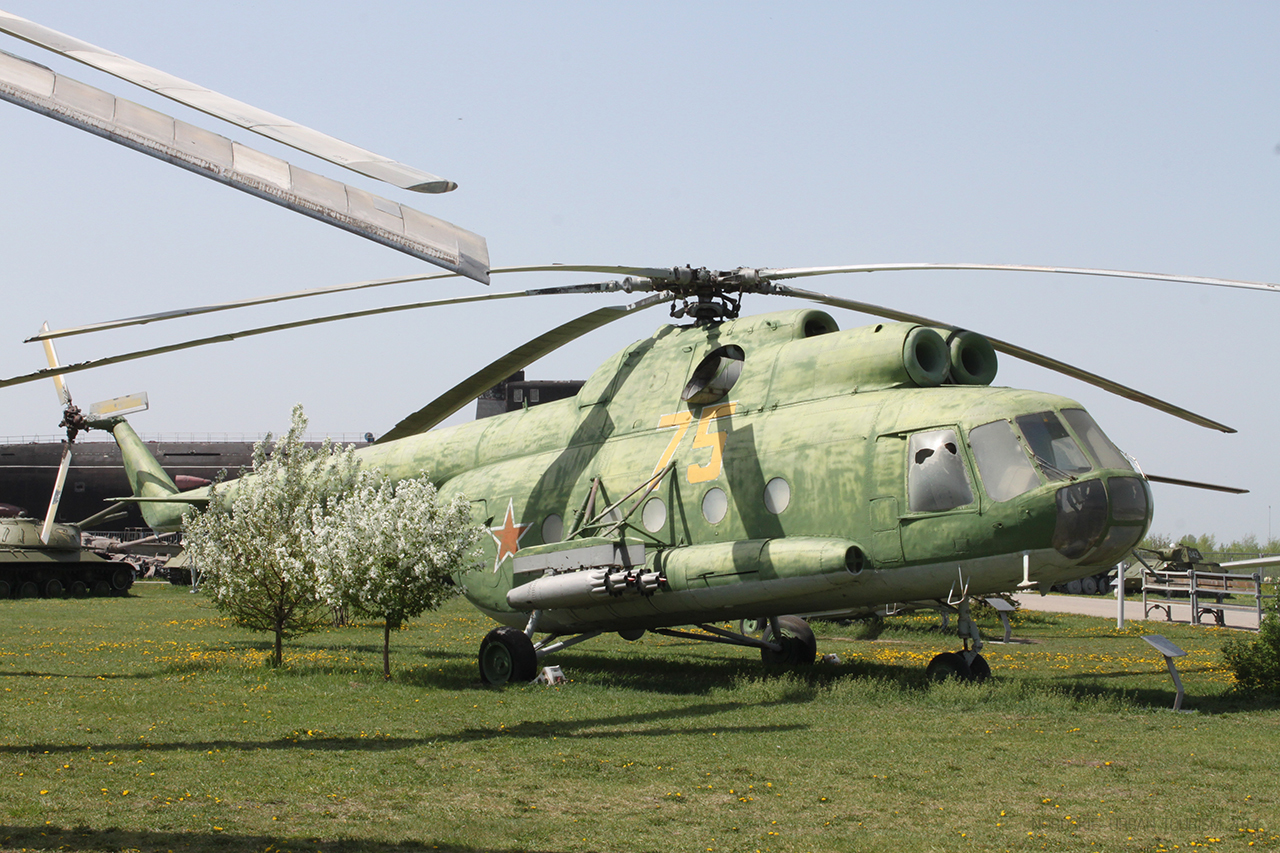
point(1256, 663)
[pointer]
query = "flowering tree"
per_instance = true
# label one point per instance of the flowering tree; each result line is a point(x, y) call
point(389, 549)
point(254, 543)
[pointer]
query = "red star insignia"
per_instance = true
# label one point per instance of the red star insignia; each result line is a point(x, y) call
point(508, 536)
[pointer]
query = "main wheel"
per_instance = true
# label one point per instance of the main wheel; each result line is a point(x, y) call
point(28, 589)
point(948, 665)
point(797, 641)
point(979, 669)
point(53, 588)
point(1089, 585)
point(78, 589)
point(507, 655)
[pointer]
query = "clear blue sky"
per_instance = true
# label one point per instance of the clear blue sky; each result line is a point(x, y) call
point(1136, 136)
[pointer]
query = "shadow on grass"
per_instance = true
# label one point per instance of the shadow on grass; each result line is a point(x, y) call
point(1087, 686)
point(640, 724)
point(93, 676)
point(146, 841)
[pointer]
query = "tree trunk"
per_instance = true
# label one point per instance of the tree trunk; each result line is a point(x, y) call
point(386, 650)
point(278, 658)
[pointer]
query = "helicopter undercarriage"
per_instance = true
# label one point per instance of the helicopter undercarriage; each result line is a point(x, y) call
point(510, 655)
point(967, 664)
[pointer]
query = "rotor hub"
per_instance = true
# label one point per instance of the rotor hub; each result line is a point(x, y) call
point(708, 296)
point(74, 420)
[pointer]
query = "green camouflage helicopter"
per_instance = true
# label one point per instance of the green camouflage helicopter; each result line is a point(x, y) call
point(726, 468)
point(756, 468)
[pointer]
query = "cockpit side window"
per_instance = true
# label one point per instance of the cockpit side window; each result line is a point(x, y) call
point(1055, 450)
point(1002, 463)
point(936, 477)
point(1107, 454)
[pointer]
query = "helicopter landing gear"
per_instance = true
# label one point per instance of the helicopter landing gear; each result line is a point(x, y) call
point(795, 643)
point(948, 665)
point(795, 638)
point(506, 654)
point(966, 664)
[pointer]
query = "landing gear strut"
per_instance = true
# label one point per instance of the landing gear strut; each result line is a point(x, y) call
point(966, 664)
point(510, 655)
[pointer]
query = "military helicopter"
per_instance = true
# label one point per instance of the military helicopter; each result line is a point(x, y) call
point(727, 467)
point(41, 557)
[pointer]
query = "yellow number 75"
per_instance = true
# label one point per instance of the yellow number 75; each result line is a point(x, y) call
point(703, 437)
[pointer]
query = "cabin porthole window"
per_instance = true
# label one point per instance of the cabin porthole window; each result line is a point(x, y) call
point(714, 376)
point(777, 495)
point(552, 528)
point(715, 505)
point(937, 479)
point(654, 515)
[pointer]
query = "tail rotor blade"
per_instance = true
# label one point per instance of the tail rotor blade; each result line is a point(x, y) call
point(64, 396)
point(47, 529)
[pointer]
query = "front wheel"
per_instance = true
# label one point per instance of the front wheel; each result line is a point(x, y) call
point(507, 655)
point(797, 641)
point(948, 665)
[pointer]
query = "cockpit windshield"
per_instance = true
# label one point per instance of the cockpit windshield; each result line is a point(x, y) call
point(1005, 468)
point(1107, 454)
point(1002, 463)
point(1055, 451)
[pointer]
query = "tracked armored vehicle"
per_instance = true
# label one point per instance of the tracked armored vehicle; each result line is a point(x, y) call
point(29, 567)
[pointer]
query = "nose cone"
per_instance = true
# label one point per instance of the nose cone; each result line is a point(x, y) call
point(1082, 518)
point(1099, 521)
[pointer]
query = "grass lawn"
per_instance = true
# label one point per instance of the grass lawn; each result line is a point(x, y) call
point(149, 723)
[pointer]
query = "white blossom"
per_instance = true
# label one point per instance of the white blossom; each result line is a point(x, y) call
point(389, 549)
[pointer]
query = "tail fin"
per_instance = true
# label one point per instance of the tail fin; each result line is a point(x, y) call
point(149, 482)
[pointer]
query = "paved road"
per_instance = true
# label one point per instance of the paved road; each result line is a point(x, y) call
point(1105, 606)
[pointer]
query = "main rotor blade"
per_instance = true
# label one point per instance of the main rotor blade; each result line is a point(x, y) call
point(1192, 484)
point(143, 319)
point(800, 272)
point(518, 359)
point(218, 158)
point(1015, 351)
point(228, 109)
point(658, 273)
point(296, 324)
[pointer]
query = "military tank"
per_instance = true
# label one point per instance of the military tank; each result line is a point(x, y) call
point(31, 567)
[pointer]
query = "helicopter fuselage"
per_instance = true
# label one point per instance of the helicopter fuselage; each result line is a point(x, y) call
point(814, 477)
point(773, 465)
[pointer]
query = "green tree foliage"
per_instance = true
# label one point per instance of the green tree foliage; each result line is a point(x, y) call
point(1212, 549)
point(389, 550)
point(1256, 662)
point(254, 544)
